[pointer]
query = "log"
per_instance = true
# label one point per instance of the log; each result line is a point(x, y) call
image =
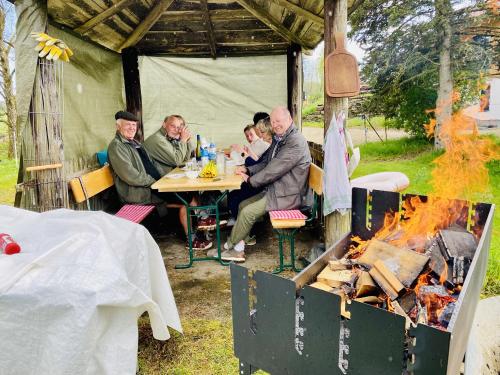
point(405, 264)
point(386, 280)
point(459, 244)
point(334, 278)
point(340, 264)
point(369, 299)
point(320, 285)
point(365, 286)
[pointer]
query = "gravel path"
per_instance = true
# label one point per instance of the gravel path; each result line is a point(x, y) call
point(357, 134)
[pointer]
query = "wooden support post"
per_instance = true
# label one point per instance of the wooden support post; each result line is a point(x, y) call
point(295, 83)
point(133, 86)
point(335, 13)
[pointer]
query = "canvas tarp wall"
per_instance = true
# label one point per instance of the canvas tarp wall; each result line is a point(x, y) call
point(218, 98)
point(93, 92)
point(92, 87)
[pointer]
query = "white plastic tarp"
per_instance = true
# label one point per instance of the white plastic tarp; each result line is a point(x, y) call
point(218, 98)
point(69, 302)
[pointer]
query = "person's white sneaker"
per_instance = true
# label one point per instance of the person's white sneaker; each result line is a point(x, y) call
point(231, 222)
point(233, 255)
point(240, 246)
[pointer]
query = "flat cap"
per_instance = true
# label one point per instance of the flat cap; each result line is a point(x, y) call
point(126, 116)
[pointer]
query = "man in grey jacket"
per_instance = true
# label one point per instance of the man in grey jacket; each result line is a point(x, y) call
point(283, 173)
point(134, 171)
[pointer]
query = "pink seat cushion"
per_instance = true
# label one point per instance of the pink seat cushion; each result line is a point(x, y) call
point(134, 212)
point(287, 215)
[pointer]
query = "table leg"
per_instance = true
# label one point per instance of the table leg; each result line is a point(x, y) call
point(189, 210)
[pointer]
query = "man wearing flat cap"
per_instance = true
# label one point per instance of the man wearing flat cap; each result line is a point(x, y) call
point(134, 171)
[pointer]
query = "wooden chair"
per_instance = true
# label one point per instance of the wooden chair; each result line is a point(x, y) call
point(90, 184)
point(286, 229)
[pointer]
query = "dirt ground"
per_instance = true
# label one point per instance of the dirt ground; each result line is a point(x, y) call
point(199, 290)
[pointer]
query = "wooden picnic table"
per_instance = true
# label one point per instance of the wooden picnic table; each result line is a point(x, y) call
point(222, 183)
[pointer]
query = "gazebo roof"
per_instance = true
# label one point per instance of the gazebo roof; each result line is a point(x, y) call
point(194, 27)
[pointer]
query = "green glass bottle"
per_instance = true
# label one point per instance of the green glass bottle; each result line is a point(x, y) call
point(198, 147)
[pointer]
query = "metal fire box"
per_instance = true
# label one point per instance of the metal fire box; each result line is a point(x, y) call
point(284, 326)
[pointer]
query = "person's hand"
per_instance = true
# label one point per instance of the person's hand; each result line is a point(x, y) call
point(240, 169)
point(185, 134)
point(245, 176)
point(237, 148)
point(248, 151)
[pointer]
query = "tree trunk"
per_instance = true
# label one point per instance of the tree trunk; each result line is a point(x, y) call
point(336, 225)
point(445, 92)
point(7, 90)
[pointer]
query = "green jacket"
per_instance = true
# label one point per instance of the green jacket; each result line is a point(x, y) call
point(131, 180)
point(167, 153)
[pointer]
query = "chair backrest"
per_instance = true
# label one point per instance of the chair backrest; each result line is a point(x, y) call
point(316, 179)
point(102, 157)
point(92, 183)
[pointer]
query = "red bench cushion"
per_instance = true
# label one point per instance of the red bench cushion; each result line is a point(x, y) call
point(287, 215)
point(134, 212)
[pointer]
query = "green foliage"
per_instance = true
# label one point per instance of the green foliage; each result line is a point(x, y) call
point(411, 114)
point(378, 122)
point(403, 43)
point(8, 170)
point(309, 109)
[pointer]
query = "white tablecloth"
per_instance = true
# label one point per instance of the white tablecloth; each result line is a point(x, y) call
point(69, 302)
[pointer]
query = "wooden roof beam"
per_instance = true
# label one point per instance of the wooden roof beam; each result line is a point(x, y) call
point(147, 23)
point(260, 13)
point(301, 11)
point(101, 17)
point(210, 29)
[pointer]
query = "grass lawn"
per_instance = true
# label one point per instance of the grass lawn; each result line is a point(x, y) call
point(8, 170)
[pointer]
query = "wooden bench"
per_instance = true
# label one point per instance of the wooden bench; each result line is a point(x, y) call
point(90, 184)
point(286, 228)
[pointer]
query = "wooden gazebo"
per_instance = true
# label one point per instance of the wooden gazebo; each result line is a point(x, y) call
point(203, 28)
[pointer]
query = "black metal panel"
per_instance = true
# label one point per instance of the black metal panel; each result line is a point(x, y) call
point(275, 323)
point(430, 351)
point(243, 340)
point(321, 324)
point(382, 202)
point(358, 220)
point(266, 339)
point(376, 340)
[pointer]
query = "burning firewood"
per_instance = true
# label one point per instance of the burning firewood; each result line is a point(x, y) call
point(370, 299)
point(320, 285)
point(405, 264)
point(387, 281)
point(340, 264)
point(334, 278)
point(365, 286)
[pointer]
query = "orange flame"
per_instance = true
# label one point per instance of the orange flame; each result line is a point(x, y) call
point(459, 173)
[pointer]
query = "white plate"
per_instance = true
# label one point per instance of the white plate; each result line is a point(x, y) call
point(175, 176)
